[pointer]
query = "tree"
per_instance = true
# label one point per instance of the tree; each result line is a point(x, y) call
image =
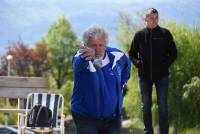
point(60, 41)
point(3, 66)
point(40, 63)
point(125, 28)
point(125, 32)
point(185, 74)
point(26, 61)
point(22, 59)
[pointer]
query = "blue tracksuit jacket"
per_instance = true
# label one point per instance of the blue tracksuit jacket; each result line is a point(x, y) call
point(88, 92)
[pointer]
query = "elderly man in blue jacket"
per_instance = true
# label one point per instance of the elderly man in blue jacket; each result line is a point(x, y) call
point(100, 75)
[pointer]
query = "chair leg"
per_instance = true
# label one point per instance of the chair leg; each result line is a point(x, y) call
point(22, 130)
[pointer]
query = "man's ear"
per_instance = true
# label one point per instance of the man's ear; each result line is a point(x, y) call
point(145, 18)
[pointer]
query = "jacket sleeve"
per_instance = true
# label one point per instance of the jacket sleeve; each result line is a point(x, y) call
point(79, 63)
point(134, 52)
point(171, 49)
point(126, 70)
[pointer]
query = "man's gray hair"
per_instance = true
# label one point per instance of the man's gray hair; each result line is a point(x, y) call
point(95, 32)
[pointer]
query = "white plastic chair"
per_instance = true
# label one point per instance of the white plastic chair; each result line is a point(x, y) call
point(55, 102)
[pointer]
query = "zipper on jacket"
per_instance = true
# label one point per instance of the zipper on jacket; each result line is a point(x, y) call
point(151, 54)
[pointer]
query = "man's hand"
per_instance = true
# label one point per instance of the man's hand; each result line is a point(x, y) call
point(124, 89)
point(139, 64)
point(87, 53)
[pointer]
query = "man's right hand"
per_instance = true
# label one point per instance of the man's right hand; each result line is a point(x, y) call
point(138, 64)
point(87, 53)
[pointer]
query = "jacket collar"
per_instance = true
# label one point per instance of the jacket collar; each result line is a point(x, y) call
point(157, 27)
point(114, 56)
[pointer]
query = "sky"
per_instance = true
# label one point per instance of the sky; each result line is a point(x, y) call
point(29, 20)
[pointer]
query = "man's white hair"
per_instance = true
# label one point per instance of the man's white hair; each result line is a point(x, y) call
point(94, 32)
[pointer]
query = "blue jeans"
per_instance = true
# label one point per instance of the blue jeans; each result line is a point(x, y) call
point(87, 125)
point(161, 86)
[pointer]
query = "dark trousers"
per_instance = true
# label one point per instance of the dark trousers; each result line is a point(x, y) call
point(146, 95)
point(86, 125)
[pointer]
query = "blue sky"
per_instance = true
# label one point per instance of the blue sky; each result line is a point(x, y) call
point(30, 19)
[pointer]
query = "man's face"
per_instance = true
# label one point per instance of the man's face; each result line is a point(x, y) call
point(151, 20)
point(99, 45)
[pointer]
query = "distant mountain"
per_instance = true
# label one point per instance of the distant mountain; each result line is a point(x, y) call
point(30, 19)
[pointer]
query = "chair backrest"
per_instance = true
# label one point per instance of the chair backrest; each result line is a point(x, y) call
point(51, 101)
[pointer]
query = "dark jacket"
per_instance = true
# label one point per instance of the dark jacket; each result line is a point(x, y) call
point(152, 52)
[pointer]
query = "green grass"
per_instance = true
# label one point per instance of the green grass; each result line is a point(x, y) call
point(193, 131)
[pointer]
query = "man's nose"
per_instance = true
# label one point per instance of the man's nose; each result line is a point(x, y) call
point(97, 51)
point(97, 48)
